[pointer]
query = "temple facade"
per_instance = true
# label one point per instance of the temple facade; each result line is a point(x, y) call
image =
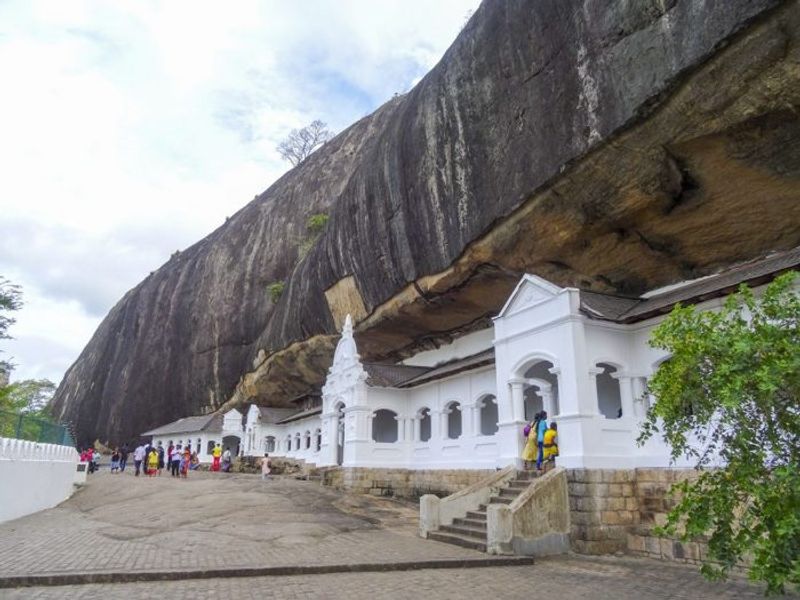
point(582, 356)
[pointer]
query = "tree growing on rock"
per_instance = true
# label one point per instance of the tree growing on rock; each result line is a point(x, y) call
point(730, 395)
point(302, 142)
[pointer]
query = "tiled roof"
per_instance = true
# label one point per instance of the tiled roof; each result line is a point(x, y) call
point(301, 397)
point(630, 310)
point(606, 306)
point(452, 368)
point(274, 415)
point(212, 422)
point(382, 375)
point(301, 415)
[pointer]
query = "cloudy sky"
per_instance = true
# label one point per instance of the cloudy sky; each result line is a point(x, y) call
point(130, 129)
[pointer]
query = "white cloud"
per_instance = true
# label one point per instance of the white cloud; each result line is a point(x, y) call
point(132, 129)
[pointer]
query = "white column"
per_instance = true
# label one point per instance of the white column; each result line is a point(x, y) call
point(517, 399)
point(510, 427)
point(468, 420)
point(547, 400)
point(401, 428)
point(640, 403)
point(595, 400)
point(436, 425)
point(417, 428)
point(329, 439)
point(443, 414)
point(625, 394)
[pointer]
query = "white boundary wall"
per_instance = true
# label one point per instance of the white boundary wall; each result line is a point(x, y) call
point(34, 476)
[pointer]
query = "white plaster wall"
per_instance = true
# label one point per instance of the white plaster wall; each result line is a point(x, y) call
point(555, 330)
point(552, 328)
point(462, 347)
point(34, 476)
point(470, 450)
point(290, 430)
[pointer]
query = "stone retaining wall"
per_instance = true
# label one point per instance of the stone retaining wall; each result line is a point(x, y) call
point(402, 483)
point(616, 510)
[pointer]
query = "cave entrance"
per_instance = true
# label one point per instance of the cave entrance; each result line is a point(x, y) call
point(232, 442)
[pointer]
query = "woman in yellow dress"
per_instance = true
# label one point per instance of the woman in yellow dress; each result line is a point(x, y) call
point(152, 462)
point(551, 443)
point(531, 447)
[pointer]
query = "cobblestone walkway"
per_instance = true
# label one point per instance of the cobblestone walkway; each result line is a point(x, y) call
point(120, 523)
point(567, 578)
point(211, 521)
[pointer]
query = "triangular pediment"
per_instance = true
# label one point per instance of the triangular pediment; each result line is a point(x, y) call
point(530, 291)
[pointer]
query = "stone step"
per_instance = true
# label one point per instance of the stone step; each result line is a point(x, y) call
point(523, 483)
point(457, 540)
point(510, 492)
point(479, 534)
point(477, 515)
point(474, 523)
point(500, 500)
point(526, 475)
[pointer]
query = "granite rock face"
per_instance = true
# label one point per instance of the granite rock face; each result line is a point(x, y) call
point(610, 145)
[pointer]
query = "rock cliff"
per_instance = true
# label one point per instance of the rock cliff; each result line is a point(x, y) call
point(610, 145)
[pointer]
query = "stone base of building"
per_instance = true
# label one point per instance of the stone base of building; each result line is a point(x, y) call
point(615, 510)
point(402, 483)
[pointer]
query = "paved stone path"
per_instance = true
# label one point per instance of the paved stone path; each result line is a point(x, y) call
point(565, 578)
point(227, 521)
point(212, 520)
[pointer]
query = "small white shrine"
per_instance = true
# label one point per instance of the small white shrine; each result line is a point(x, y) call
point(581, 356)
point(202, 434)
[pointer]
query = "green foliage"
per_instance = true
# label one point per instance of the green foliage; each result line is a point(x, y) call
point(30, 396)
point(25, 411)
point(731, 390)
point(275, 290)
point(10, 300)
point(316, 223)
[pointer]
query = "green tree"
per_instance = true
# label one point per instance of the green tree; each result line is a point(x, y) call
point(10, 300)
point(315, 225)
point(31, 396)
point(275, 289)
point(730, 395)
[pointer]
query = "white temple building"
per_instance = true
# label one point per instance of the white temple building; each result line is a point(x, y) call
point(202, 433)
point(582, 356)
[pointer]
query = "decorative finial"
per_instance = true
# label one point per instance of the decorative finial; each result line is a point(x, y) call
point(348, 326)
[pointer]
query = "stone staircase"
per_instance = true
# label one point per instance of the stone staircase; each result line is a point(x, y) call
point(470, 530)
